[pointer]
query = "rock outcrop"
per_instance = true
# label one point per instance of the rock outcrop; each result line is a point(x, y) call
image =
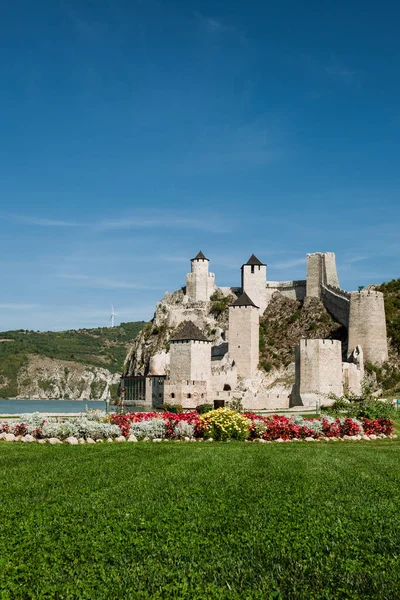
point(46, 378)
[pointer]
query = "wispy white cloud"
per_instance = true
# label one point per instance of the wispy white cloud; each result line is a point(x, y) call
point(32, 220)
point(18, 306)
point(104, 282)
point(335, 68)
point(343, 74)
point(209, 223)
point(288, 264)
point(210, 24)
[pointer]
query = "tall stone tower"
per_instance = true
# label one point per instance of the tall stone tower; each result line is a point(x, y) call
point(200, 284)
point(244, 327)
point(254, 278)
point(190, 355)
point(321, 270)
point(367, 325)
point(318, 371)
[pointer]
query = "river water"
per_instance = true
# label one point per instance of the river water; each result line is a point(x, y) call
point(17, 407)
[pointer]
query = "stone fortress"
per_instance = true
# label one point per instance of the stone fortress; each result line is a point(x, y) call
point(197, 370)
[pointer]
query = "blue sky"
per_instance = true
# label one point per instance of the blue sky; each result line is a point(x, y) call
point(136, 132)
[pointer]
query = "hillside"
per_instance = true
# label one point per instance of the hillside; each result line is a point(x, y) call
point(388, 376)
point(285, 321)
point(85, 357)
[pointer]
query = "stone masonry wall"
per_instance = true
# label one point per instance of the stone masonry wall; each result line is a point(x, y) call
point(367, 325)
point(200, 284)
point(190, 360)
point(253, 283)
point(244, 325)
point(189, 393)
point(295, 290)
point(318, 371)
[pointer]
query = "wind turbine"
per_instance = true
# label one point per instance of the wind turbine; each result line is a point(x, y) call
point(113, 314)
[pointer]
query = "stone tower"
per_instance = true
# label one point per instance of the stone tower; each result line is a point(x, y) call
point(321, 271)
point(244, 326)
point(190, 355)
point(367, 326)
point(318, 371)
point(200, 284)
point(254, 278)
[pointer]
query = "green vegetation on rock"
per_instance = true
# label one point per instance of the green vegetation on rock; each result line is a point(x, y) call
point(101, 347)
point(285, 321)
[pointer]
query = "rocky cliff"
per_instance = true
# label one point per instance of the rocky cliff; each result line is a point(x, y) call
point(47, 378)
point(75, 364)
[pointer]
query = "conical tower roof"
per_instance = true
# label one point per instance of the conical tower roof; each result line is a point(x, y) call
point(189, 331)
point(244, 300)
point(200, 256)
point(253, 260)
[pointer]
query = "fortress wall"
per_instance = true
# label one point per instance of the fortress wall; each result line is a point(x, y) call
point(265, 401)
point(188, 393)
point(295, 290)
point(318, 371)
point(336, 301)
point(367, 325)
point(244, 325)
point(323, 283)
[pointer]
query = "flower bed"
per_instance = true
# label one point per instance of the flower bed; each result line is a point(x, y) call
point(222, 424)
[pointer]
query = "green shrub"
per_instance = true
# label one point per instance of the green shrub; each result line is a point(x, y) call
point(202, 409)
point(219, 303)
point(235, 404)
point(267, 366)
point(174, 408)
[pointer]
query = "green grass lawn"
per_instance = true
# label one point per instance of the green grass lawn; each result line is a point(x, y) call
point(178, 520)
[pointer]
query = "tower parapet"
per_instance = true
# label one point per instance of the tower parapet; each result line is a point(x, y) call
point(200, 284)
point(367, 325)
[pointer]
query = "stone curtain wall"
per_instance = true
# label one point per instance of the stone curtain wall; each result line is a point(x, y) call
point(363, 313)
point(189, 393)
point(337, 302)
point(295, 290)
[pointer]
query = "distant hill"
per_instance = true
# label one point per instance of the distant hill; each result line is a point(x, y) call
point(100, 350)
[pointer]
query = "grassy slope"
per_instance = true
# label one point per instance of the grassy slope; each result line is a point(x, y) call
point(103, 347)
point(200, 521)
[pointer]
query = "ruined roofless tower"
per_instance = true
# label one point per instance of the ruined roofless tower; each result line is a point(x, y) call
point(190, 354)
point(254, 277)
point(244, 331)
point(200, 283)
